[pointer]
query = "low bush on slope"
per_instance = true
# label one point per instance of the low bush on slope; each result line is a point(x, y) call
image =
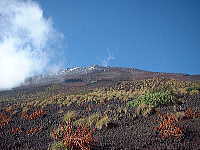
point(153, 99)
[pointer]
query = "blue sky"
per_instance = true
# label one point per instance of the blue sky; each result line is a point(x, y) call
point(155, 35)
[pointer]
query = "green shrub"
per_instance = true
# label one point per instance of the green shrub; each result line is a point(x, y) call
point(190, 89)
point(153, 99)
point(131, 103)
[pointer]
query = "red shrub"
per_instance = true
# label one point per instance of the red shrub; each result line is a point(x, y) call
point(33, 130)
point(4, 120)
point(34, 115)
point(8, 109)
point(167, 127)
point(78, 138)
point(189, 113)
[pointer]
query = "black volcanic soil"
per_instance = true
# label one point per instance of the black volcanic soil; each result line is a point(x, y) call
point(126, 133)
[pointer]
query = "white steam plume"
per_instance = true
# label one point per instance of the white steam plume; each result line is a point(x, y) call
point(26, 38)
point(105, 62)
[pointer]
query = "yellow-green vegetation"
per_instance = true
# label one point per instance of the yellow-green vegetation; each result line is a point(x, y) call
point(196, 88)
point(180, 115)
point(102, 122)
point(97, 96)
point(94, 120)
point(24, 109)
point(182, 91)
point(101, 95)
point(156, 83)
point(144, 110)
point(53, 87)
point(88, 121)
point(124, 91)
point(153, 99)
point(70, 116)
point(57, 146)
point(193, 90)
point(81, 122)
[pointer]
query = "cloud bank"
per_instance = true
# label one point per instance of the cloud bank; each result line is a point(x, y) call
point(26, 41)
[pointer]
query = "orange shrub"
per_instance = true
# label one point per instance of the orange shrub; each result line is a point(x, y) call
point(189, 113)
point(4, 119)
point(8, 109)
point(167, 127)
point(33, 130)
point(75, 138)
point(34, 115)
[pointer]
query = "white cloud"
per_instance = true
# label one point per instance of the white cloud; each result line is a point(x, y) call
point(108, 59)
point(26, 37)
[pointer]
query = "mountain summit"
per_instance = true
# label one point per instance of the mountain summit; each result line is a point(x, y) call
point(100, 73)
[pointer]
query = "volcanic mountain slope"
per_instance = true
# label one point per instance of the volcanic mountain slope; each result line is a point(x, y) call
point(102, 108)
point(94, 73)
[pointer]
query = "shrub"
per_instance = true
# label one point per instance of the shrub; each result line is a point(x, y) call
point(33, 130)
point(34, 115)
point(102, 122)
point(197, 88)
point(73, 137)
point(153, 99)
point(57, 146)
point(69, 116)
point(89, 121)
point(131, 103)
point(167, 127)
point(180, 115)
point(93, 119)
point(193, 90)
point(4, 120)
point(81, 122)
point(144, 110)
point(182, 91)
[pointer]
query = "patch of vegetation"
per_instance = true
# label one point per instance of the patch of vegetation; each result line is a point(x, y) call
point(4, 119)
point(72, 137)
point(93, 121)
point(102, 122)
point(34, 115)
point(144, 110)
point(69, 116)
point(57, 146)
point(153, 99)
point(193, 88)
point(157, 83)
point(88, 121)
point(167, 127)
